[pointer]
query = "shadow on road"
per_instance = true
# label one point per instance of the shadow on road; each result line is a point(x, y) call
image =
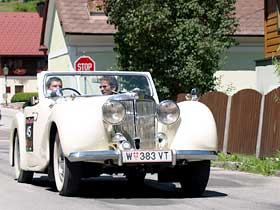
point(108, 187)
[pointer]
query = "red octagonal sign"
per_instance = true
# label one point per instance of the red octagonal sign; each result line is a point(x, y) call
point(84, 63)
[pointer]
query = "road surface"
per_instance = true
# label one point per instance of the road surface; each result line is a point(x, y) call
point(226, 190)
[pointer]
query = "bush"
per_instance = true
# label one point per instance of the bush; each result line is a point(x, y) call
point(23, 97)
point(26, 7)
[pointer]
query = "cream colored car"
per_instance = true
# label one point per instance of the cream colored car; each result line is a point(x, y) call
point(74, 131)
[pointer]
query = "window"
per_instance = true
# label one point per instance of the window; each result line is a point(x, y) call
point(19, 88)
point(96, 7)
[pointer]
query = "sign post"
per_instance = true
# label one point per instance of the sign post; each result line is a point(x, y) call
point(84, 63)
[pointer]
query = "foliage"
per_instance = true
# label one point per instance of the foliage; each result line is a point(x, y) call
point(16, 6)
point(276, 62)
point(23, 97)
point(180, 42)
point(249, 163)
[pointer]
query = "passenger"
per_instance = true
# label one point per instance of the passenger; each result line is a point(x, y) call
point(108, 85)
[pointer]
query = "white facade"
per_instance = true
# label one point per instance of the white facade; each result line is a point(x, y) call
point(267, 79)
point(239, 70)
point(58, 57)
point(29, 84)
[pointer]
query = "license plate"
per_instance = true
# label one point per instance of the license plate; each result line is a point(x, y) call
point(142, 156)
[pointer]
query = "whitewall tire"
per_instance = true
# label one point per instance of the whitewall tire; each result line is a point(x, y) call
point(22, 176)
point(66, 174)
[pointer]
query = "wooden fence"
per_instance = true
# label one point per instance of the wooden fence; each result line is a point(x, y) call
point(247, 122)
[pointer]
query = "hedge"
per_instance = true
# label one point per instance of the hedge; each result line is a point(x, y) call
point(23, 97)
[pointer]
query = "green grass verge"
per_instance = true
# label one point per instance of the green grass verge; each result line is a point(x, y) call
point(249, 163)
point(16, 6)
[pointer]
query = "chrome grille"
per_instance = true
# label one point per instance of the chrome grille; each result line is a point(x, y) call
point(139, 122)
point(145, 122)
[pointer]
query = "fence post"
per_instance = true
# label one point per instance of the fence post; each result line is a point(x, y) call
point(225, 144)
point(259, 137)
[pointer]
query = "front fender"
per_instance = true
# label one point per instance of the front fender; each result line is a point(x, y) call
point(80, 126)
point(18, 128)
point(195, 130)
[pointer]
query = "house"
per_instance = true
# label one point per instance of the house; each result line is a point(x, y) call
point(267, 78)
point(238, 71)
point(76, 28)
point(73, 30)
point(20, 51)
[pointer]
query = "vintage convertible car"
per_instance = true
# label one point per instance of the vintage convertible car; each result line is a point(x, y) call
point(74, 132)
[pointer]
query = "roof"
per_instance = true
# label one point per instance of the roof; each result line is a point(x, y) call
point(251, 17)
point(75, 18)
point(20, 33)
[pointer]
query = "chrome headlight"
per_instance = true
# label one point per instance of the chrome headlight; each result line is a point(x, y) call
point(168, 112)
point(113, 112)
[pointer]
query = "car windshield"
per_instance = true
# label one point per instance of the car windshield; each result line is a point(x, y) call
point(96, 84)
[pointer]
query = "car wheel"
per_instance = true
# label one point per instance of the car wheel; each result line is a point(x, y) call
point(66, 174)
point(22, 176)
point(194, 178)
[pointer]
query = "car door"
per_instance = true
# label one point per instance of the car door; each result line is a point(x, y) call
point(36, 121)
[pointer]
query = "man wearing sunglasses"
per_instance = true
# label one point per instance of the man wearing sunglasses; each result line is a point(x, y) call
point(108, 85)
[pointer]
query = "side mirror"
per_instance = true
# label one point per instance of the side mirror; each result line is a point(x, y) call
point(34, 100)
point(194, 94)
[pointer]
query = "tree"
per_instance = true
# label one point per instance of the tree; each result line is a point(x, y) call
point(179, 42)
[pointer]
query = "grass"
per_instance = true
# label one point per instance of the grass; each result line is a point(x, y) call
point(249, 163)
point(16, 6)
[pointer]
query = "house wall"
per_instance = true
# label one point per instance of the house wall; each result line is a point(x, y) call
point(65, 49)
point(98, 47)
point(29, 84)
point(233, 81)
point(272, 27)
point(267, 79)
point(58, 59)
point(238, 71)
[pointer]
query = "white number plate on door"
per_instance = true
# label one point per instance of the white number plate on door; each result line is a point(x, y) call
point(140, 156)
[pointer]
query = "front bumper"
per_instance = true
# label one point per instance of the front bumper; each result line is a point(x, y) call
point(115, 155)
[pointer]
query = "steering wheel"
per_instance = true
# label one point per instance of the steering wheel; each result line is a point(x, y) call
point(72, 89)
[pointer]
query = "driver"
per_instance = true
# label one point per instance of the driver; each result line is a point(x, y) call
point(54, 84)
point(108, 85)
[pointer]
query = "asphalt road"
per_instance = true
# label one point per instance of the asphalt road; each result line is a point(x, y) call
point(226, 190)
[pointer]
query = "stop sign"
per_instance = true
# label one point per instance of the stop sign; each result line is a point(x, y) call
point(84, 63)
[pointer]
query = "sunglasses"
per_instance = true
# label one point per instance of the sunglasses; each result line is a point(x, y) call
point(103, 86)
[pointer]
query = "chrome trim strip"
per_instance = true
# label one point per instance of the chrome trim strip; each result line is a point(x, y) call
point(196, 155)
point(94, 155)
point(115, 155)
point(174, 157)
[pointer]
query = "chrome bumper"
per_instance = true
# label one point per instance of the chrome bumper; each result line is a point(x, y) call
point(115, 155)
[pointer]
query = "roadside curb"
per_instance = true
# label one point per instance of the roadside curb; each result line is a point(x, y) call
point(277, 173)
point(229, 165)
